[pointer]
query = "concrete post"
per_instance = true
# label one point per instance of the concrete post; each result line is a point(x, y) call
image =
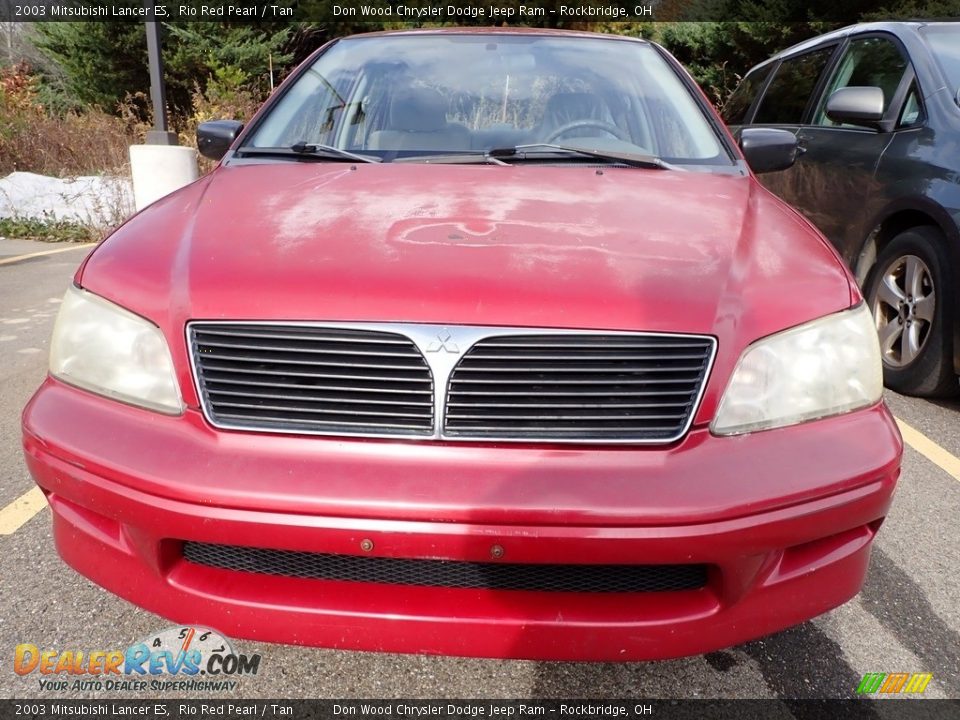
point(160, 166)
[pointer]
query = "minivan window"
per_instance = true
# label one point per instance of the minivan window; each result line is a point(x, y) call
point(944, 41)
point(789, 92)
point(867, 62)
point(912, 112)
point(736, 107)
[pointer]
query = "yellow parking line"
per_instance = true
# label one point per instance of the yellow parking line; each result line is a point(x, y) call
point(16, 514)
point(17, 258)
point(950, 464)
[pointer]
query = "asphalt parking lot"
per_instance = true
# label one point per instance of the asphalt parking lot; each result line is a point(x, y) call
point(907, 619)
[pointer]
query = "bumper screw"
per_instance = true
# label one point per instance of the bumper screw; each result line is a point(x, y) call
point(366, 545)
point(496, 551)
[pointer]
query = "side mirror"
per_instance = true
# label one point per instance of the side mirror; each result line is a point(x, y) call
point(768, 149)
point(215, 137)
point(856, 106)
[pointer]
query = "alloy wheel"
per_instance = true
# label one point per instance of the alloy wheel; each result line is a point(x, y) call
point(903, 309)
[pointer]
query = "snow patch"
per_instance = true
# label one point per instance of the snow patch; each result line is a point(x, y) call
point(100, 201)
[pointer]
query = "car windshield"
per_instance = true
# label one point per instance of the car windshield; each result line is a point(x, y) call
point(421, 96)
point(944, 40)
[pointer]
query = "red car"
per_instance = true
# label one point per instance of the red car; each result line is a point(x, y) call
point(478, 343)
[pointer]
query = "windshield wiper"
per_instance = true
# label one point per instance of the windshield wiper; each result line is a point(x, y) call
point(627, 158)
point(302, 149)
point(329, 150)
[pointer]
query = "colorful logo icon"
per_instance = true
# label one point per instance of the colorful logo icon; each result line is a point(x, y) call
point(894, 683)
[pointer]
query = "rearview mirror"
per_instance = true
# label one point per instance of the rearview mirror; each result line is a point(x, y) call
point(215, 137)
point(768, 149)
point(856, 106)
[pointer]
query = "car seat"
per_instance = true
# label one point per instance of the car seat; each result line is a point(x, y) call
point(417, 120)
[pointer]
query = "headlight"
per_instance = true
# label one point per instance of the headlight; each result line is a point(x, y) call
point(825, 367)
point(105, 349)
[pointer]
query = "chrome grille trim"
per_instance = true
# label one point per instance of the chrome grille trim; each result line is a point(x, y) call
point(279, 377)
point(384, 387)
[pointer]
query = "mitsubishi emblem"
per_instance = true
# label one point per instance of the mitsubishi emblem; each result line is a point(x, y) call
point(443, 342)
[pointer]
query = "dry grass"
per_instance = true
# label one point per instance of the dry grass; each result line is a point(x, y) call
point(88, 144)
point(93, 142)
point(33, 140)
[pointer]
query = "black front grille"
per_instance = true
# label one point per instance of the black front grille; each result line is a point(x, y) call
point(448, 573)
point(312, 379)
point(578, 387)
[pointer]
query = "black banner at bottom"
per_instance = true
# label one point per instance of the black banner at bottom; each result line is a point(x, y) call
point(908, 709)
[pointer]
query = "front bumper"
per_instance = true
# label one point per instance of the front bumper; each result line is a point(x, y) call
point(783, 519)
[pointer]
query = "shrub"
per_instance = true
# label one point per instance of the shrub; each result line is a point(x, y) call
point(229, 95)
point(49, 228)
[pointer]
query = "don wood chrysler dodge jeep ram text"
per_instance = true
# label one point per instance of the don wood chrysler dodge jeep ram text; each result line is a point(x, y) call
point(479, 343)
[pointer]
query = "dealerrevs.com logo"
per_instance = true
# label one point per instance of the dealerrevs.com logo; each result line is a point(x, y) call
point(182, 658)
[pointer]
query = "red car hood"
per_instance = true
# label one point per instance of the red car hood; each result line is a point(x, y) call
point(573, 247)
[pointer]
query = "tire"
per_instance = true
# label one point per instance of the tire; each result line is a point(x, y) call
point(911, 294)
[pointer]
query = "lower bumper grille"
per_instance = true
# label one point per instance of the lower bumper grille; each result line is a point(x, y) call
point(448, 573)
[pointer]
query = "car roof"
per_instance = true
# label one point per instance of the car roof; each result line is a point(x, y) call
point(497, 30)
point(894, 28)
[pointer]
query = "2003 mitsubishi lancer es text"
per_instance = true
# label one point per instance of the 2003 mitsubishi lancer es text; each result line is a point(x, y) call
point(480, 343)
